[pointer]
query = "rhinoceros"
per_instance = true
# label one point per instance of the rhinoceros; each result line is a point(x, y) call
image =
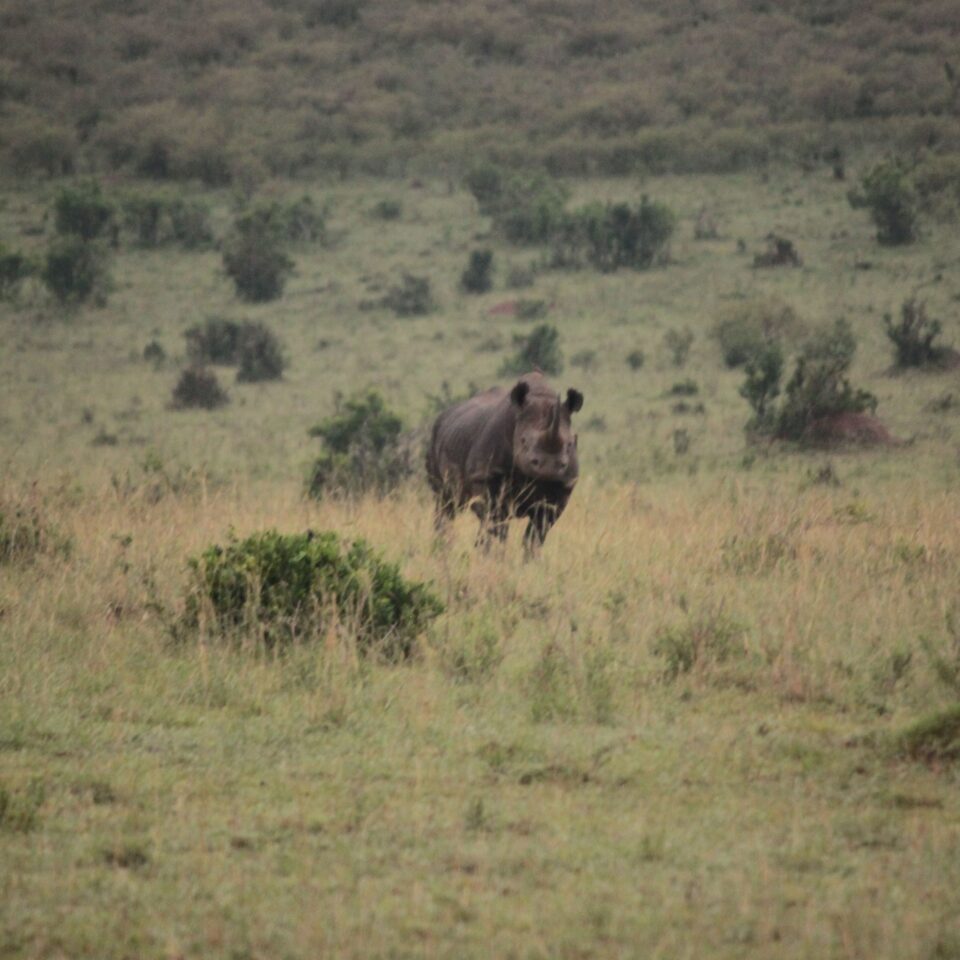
point(506, 453)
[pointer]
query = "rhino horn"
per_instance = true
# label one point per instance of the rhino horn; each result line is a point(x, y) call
point(554, 428)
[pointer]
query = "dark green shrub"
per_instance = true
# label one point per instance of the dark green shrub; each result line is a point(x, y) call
point(82, 211)
point(933, 739)
point(818, 389)
point(476, 277)
point(248, 345)
point(913, 336)
point(217, 340)
point(154, 353)
point(388, 209)
point(684, 388)
point(886, 191)
point(540, 349)
point(14, 269)
point(486, 183)
point(198, 387)
point(607, 237)
point(260, 356)
point(530, 208)
point(745, 329)
point(411, 298)
point(364, 448)
point(284, 588)
point(678, 344)
point(764, 370)
point(636, 359)
point(780, 252)
point(698, 644)
point(76, 270)
point(255, 259)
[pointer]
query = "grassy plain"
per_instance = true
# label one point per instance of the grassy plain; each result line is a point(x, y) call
point(674, 734)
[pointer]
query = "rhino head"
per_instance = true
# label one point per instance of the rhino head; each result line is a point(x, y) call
point(544, 444)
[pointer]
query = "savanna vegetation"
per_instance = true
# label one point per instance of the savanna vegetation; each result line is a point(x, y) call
point(251, 706)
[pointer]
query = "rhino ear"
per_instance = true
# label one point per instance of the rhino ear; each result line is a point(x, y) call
point(574, 400)
point(519, 393)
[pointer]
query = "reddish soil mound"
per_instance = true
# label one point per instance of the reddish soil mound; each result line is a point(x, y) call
point(841, 429)
point(506, 309)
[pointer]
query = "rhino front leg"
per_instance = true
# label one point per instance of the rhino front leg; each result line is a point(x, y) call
point(493, 511)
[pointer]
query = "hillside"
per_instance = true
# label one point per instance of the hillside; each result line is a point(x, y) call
point(227, 89)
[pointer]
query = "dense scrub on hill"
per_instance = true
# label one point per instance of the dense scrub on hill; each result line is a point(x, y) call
point(225, 90)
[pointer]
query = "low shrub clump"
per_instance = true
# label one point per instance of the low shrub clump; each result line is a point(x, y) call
point(198, 387)
point(913, 337)
point(251, 346)
point(476, 278)
point(365, 448)
point(887, 191)
point(745, 329)
point(817, 394)
point(14, 269)
point(609, 236)
point(76, 271)
point(82, 211)
point(282, 588)
point(412, 297)
point(255, 259)
point(154, 219)
point(541, 348)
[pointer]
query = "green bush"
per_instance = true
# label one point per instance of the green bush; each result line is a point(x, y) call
point(82, 211)
point(818, 388)
point(541, 348)
point(530, 208)
point(255, 259)
point(411, 298)
point(76, 270)
point(388, 210)
point(198, 387)
point(913, 336)
point(364, 448)
point(745, 329)
point(143, 213)
point(476, 277)
point(332, 13)
point(887, 192)
point(764, 370)
point(260, 356)
point(248, 345)
point(636, 359)
point(14, 269)
point(283, 588)
point(607, 237)
point(486, 183)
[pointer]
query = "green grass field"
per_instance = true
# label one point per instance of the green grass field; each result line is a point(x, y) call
point(678, 733)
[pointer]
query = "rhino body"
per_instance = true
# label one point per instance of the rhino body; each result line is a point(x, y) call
point(506, 453)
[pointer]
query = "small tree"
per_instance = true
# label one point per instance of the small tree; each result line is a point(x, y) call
point(259, 355)
point(14, 269)
point(75, 271)
point(886, 191)
point(762, 386)
point(255, 259)
point(678, 343)
point(819, 386)
point(82, 211)
point(364, 448)
point(541, 348)
point(486, 182)
point(476, 278)
point(913, 336)
point(198, 387)
point(411, 298)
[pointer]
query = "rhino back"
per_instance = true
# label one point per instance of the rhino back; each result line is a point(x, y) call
point(472, 439)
